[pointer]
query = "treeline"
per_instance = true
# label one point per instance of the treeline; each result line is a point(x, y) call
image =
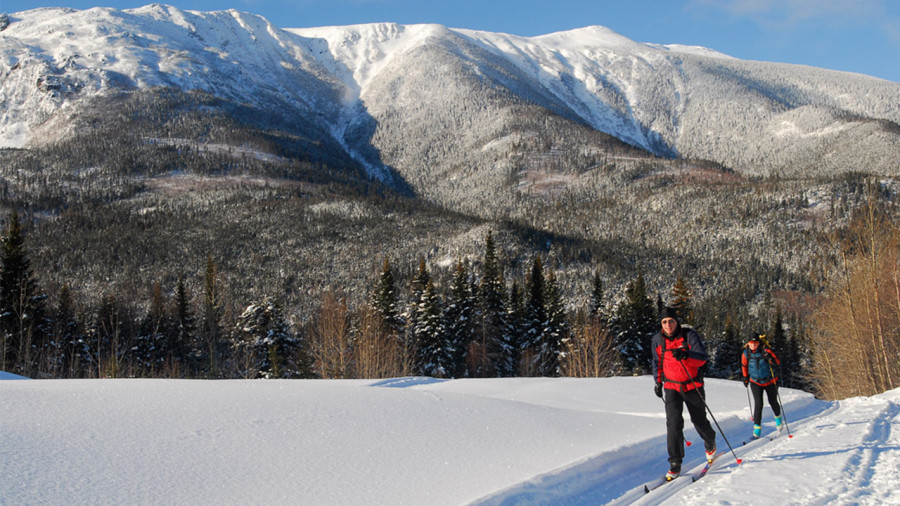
point(128, 218)
point(477, 323)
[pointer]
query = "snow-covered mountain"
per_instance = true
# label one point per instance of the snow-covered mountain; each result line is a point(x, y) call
point(417, 441)
point(429, 98)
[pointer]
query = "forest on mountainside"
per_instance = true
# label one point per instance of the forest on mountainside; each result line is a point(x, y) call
point(165, 237)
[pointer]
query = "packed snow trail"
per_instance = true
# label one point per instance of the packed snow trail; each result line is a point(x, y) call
point(849, 454)
point(845, 452)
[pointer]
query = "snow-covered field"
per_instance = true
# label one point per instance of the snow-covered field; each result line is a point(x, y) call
point(420, 441)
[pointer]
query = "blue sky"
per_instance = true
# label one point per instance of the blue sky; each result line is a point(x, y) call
point(851, 35)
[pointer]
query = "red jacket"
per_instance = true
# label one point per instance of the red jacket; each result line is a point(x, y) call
point(682, 375)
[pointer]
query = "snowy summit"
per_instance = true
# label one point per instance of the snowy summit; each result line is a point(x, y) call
point(668, 99)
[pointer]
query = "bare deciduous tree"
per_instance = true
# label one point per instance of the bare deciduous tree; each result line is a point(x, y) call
point(330, 338)
point(589, 353)
point(857, 326)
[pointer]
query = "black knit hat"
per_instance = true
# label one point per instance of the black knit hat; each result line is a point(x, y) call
point(669, 312)
point(754, 337)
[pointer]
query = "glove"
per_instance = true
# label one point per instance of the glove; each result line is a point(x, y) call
point(746, 381)
point(680, 354)
point(658, 390)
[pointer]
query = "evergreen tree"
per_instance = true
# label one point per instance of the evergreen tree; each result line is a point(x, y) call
point(726, 353)
point(491, 322)
point(386, 301)
point(515, 323)
point(779, 341)
point(634, 324)
point(535, 317)
point(152, 342)
point(416, 305)
point(459, 319)
point(434, 352)
point(556, 332)
point(265, 347)
point(22, 320)
point(184, 324)
point(682, 300)
point(69, 336)
point(792, 363)
point(596, 303)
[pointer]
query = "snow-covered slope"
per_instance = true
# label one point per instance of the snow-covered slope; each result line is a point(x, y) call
point(420, 441)
point(357, 82)
point(52, 58)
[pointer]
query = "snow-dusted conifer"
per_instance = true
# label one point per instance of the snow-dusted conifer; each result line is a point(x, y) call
point(433, 349)
point(22, 321)
point(725, 353)
point(556, 330)
point(458, 317)
point(596, 302)
point(535, 317)
point(386, 302)
point(634, 324)
point(264, 345)
point(515, 323)
point(491, 322)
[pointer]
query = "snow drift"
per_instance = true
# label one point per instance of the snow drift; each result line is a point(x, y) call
point(422, 441)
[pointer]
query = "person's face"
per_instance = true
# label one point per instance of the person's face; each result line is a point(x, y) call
point(753, 345)
point(669, 325)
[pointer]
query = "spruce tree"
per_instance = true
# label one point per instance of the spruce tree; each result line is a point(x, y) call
point(433, 349)
point(22, 319)
point(556, 332)
point(634, 324)
point(515, 323)
point(596, 303)
point(682, 300)
point(459, 319)
point(385, 301)
point(535, 316)
point(417, 294)
point(67, 333)
point(265, 347)
point(491, 322)
point(726, 353)
point(152, 342)
point(778, 340)
point(181, 339)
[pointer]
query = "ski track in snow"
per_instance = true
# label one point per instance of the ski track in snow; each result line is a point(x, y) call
point(864, 478)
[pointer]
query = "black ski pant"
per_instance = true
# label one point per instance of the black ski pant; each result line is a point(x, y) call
point(675, 402)
point(771, 393)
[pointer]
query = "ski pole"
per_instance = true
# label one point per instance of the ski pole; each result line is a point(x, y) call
point(750, 404)
point(705, 405)
point(780, 402)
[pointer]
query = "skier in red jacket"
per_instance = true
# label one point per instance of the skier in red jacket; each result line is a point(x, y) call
point(678, 356)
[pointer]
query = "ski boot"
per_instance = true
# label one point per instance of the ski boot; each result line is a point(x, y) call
point(756, 432)
point(674, 471)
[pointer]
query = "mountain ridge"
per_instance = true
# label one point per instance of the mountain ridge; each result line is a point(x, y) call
point(670, 100)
